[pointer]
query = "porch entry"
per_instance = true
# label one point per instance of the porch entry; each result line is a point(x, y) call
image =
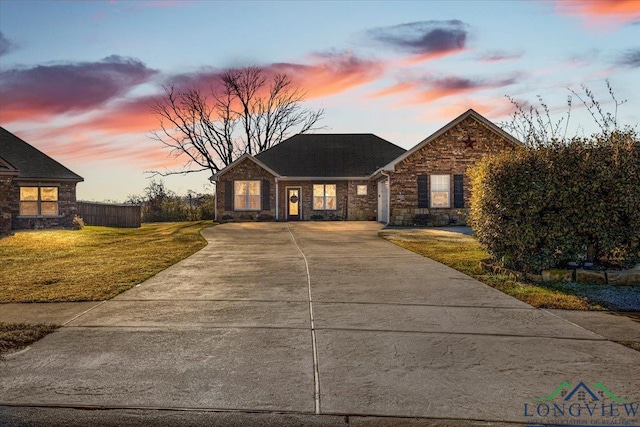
point(294, 213)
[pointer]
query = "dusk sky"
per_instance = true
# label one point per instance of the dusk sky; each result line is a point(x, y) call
point(76, 78)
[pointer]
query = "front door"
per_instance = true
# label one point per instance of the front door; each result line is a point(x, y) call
point(294, 213)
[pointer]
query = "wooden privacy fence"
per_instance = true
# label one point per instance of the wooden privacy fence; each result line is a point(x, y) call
point(110, 215)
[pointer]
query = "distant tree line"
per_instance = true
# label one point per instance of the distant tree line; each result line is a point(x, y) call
point(160, 204)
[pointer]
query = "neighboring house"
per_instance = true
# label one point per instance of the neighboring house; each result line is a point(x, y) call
point(35, 190)
point(361, 177)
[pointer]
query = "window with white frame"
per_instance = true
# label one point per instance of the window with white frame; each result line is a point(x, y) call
point(324, 197)
point(361, 190)
point(39, 201)
point(440, 190)
point(246, 195)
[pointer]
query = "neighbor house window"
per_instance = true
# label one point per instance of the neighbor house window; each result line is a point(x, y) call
point(361, 190)
point(324, 197)
point(39, 201)
point(440, 186)
point(246, 195)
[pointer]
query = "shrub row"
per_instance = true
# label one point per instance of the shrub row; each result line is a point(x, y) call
point(541, 208)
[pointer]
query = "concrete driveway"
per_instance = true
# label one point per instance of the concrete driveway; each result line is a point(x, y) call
point(315, 318)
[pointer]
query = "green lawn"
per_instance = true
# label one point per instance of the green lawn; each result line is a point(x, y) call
point(92, 264)
point(464, 253)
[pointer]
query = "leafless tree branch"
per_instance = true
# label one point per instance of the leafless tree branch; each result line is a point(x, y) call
point(244, 112)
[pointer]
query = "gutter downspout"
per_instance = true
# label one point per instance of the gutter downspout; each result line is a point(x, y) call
point(388, 196)
point(277, 204)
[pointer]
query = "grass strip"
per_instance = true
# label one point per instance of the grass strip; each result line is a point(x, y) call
point(464, 254)
point(92, 264)
point(14, 336)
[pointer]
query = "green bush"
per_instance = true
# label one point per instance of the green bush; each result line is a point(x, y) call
point(539, 208)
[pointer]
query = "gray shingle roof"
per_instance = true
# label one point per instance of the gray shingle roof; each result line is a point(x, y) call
point(330, 155)
point(31, 162)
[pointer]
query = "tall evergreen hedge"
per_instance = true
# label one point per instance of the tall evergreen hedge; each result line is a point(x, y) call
point(539, 208)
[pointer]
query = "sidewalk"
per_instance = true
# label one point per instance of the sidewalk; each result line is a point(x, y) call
point(58, 313)
point(610, 325)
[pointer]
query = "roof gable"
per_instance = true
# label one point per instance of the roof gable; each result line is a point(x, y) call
point(329, 155)
point(464, 116)
point(31, 162)
point(244, 157)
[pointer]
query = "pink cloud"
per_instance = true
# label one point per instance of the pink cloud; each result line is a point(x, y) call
point(424, 40)
point(47, 90)
point(494, 109)
point(331, 73)
point(92, 101)
point(429, 89)
point(79, 144)
point(600, 13)
point(324, 74)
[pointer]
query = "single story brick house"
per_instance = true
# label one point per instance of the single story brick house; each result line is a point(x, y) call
point(360, 177)
point(35, 190)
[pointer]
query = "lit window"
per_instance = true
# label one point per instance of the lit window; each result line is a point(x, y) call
point(361, 190)
point(324, 197)
point(247, 195)
point(440, 191)
point(39, 201)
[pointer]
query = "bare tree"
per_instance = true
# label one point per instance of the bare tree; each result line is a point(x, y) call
point(535, 127)
point(244, 111)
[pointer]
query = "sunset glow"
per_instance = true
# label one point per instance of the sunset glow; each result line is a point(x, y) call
point(400, 70)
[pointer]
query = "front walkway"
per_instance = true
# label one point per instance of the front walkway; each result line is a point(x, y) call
point(314, 318)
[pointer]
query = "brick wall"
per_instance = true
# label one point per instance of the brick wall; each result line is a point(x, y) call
point(245, 170)
point(67, 208)
point(362, 208)
point(306, 203)
point(449, 154)
point(5, 205)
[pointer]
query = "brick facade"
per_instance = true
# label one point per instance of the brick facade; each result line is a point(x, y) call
point(67, 207)
point(306, 202)
point(364, 207)
point(245, 170)
point(5, 204)
point(349, 205)
point(451, 153)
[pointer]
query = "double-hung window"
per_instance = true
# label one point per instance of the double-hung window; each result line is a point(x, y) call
point(39, 201)
point(324, 197)
point(247, 195)
point(440, 190)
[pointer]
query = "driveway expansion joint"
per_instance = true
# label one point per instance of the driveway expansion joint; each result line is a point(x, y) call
point(83, 313)
point(314, 343)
